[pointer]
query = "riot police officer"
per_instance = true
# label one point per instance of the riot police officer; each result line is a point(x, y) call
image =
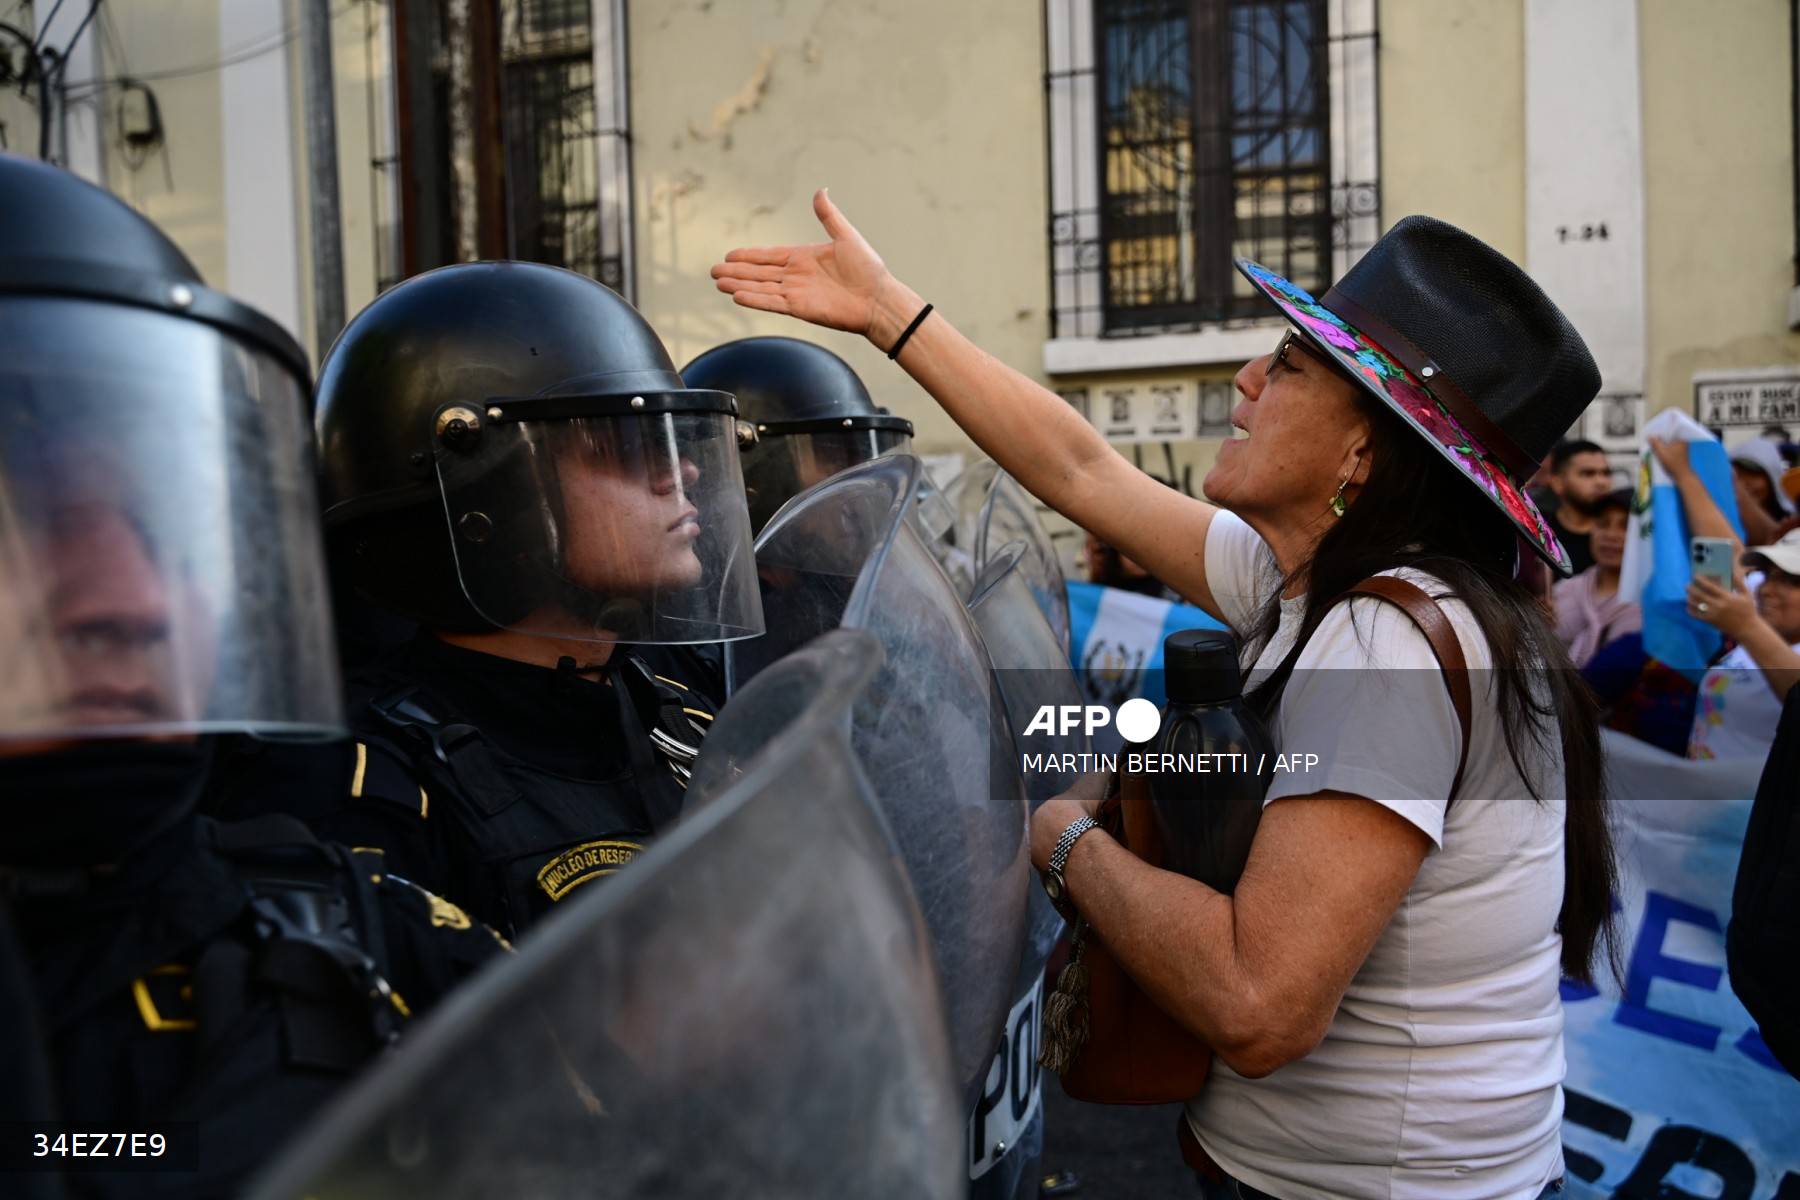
point(161, 583)
point(813, 416)
point(511, 461)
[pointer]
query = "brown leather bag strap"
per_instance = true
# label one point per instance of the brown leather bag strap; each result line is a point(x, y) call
point(1445, 646)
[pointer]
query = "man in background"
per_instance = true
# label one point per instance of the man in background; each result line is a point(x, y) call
point(1580, 478)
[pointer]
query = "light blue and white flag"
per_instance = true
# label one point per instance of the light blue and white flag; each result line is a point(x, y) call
point(1657, 565)
point(1116, 646)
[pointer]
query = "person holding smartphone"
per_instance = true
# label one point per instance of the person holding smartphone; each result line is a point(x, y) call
point(1740, 698)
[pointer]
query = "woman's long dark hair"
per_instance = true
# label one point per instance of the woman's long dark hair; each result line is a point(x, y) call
point(1416, 511)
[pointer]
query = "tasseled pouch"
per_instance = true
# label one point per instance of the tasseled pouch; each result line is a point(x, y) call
point(1066, 1008)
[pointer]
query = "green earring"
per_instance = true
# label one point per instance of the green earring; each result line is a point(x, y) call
point(1337, 501)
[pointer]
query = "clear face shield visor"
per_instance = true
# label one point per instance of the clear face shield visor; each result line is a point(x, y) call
point(782, 465)
point(600, 526)
point(160, 563)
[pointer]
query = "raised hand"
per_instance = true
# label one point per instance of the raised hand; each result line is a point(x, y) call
point(839, 284)
point(1672, 453)
point(1731, 613)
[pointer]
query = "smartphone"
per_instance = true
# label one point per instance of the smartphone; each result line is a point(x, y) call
point(1712, 556)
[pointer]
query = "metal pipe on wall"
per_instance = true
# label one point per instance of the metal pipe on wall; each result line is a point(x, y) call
point(322, 172)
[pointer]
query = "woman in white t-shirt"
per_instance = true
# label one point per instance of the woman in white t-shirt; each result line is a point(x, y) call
point(1381, 988)
point(1739, 703)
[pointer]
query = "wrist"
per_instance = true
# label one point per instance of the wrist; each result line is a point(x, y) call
point(893, 308)
point(1081, 829)
point(1750, 628)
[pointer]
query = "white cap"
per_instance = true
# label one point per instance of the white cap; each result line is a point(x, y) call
point(1784, 555)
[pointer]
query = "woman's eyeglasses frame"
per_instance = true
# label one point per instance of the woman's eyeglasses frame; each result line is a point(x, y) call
point(1293, 337)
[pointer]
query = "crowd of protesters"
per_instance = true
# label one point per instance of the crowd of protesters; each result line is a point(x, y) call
point(1735, 707)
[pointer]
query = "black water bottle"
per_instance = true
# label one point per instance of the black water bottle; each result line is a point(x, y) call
point(1213, 764)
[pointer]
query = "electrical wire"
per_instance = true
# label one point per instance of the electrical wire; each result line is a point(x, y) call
point(254, 48)
point(79, 29)
point(44, 29)
point(52, 75)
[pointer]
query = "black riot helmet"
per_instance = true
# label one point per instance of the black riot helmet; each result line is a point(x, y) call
point(812, 415)
point(508, 445)
point(160, 565)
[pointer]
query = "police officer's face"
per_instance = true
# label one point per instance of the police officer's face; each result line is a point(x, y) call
point(86, 631)
point(631, 522)
point(111, 622)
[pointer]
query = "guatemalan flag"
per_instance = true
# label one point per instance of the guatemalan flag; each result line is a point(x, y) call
point(1116, 646)
point(1657, 564)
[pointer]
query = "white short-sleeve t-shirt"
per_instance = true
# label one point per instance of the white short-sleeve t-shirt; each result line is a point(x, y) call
point(1735, 712)
point(1440, 1076)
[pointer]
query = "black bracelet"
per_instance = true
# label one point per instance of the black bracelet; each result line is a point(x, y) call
point(916, 322)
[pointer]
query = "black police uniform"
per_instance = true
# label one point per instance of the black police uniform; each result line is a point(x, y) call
point(231, 975)
point(502, 785)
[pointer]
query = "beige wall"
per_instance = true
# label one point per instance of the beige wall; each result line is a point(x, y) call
point(180, 185)
point(1453, 115)
point(924, 117)
point(1719, 202)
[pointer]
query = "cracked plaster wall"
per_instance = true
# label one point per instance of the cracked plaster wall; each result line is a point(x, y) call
point(924, 117)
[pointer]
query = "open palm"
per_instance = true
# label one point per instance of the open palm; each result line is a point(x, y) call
point(835, 283)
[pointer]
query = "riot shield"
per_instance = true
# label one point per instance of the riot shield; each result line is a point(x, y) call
point(1011, 515)
point(1005, 1133)
point(967, 495)
point(993, 511)
point(749, 1010)
point(1031, 664)
point(1032, 674)
point(930, 731)
point(934, 519)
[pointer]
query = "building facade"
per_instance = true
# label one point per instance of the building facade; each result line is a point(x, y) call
point(1067, 180)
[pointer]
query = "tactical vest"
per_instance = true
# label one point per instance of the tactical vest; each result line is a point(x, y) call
point(248, 1032)
point(515, 839)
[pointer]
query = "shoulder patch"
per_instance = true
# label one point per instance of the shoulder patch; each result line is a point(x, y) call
point(583, 863)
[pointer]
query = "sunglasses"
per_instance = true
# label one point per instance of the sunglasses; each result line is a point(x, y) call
point(1292, 339)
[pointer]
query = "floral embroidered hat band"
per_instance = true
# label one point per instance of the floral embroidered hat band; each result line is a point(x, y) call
point(1460, 342)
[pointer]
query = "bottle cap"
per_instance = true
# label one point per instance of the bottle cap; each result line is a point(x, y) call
point(1201, 666)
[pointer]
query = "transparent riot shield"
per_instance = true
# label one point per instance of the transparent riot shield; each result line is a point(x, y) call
point(1010, 515)
point(934, 518)
point(1033, 674)
point(993, 511)
point(750, 1010)
point(1005, 1134)
point(1031, 663)
point(967, 497)
point(930, 731)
